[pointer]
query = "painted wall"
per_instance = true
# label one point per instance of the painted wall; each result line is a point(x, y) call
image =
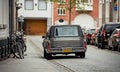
point(4, 19)
point(35, 13)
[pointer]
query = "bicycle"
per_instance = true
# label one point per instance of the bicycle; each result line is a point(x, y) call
point(16, 46)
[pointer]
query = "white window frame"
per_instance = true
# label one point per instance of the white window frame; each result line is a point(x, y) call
point(88, 2)
point(32, 8)
point(61, 11)
point(45, 6)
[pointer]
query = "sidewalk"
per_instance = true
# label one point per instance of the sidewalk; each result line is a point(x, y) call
point(33, 62)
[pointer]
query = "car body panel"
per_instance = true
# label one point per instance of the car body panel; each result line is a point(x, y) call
point(55, 43)
point(105, 32)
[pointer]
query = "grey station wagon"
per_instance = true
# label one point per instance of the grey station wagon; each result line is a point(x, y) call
point(64, 39)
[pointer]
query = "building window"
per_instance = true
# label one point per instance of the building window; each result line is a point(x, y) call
point(61, 11)
point(29, 4)
point(84, 1)
point(42, 5)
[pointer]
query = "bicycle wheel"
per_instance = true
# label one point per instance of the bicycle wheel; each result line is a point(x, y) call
point(20, 52)
point(24, 46)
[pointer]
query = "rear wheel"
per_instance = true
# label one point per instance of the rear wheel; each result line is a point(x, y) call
point(109, 48)
point(98, 45)
point(102, 46)
point(82, 54)
point(119, 47)
point(47, 55)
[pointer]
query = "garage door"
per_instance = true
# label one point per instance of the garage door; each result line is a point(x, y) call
point(36, 27)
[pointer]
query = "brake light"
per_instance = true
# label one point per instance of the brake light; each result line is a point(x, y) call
point(104, 32)
point(89, 36)
point(48, 46)
point(85, 44)
point(118, 33)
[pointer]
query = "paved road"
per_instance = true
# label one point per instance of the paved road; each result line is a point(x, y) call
point(96, 60)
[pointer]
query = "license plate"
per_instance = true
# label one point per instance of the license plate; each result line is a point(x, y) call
point(105, 40)
point(67, 50)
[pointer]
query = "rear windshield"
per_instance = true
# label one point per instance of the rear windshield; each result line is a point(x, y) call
point(91, 31)
point(66, 31)
point(110, 28)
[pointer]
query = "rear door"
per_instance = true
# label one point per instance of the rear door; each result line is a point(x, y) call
point(67, 36)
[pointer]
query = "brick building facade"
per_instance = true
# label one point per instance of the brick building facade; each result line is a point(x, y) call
point(86, 19)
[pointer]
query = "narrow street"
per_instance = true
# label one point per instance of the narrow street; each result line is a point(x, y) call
point(97, 60)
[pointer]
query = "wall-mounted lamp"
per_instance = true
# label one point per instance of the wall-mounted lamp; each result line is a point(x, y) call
point(18, 5)
point(2, 26)
point(35, 4)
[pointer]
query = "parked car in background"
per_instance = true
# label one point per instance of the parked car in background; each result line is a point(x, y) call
point(96, 41)
point(114, 40)
point(89, 34)
point(104, 33)
point(93, 37)
point(64, 39)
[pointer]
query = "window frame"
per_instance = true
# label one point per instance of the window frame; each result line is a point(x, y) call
point(45, 3)
point(61, 11)
point(32, 5)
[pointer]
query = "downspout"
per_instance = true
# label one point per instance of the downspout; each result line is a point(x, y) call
point(118, 10)
point(11, 16)
point(70, 12)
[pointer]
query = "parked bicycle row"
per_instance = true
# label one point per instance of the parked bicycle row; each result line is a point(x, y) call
point(14, 46)
point(18, 46)
point(108, 36)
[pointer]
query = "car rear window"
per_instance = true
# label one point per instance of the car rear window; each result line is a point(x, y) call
point(66, 31)
point(110, 28)
point(91, 31)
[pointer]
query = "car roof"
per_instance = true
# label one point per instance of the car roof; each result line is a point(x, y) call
point(63, 25)
point(112, 23)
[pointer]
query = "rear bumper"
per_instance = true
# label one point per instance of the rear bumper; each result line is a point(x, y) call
point(65, 50)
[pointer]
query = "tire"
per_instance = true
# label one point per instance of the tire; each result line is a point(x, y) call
point(113, 46)
point(24, 46)
point(98, 45)
point(118, 48)
point(82, 55)
point(109, 48)
point(20, 51)
point(102, 46)
point(48, 56)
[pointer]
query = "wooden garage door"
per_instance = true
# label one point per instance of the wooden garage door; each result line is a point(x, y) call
point(36, 27)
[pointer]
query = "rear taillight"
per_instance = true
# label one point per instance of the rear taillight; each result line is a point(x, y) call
point(104, 32)
point(88, 36)
point(85, 44)
point(118, 33)
point(48, 46)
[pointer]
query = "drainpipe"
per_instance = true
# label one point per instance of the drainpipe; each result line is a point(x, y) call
point(118, 10)
point(103, 11)
point(70, 12)
point(11, 16)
